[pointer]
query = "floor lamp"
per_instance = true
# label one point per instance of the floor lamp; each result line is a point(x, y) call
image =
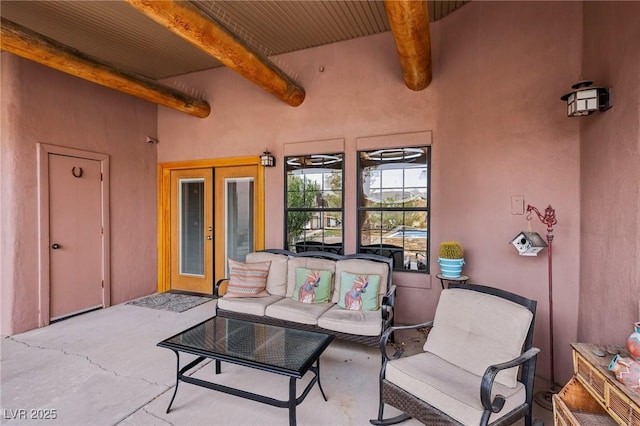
point(544, 399)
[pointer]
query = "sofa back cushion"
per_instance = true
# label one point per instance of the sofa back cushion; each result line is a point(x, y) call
point(277, 278)
point(361, 267)
point(310, 263)
point(473, 330)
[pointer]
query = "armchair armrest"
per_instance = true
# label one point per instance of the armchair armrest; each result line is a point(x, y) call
point(388, 304)
point(387, 334)
point(490, 375)
point(220, 288)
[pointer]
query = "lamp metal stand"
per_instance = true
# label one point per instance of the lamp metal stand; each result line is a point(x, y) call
point(544, 399)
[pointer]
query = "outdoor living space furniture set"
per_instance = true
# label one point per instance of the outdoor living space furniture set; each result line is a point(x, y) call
point(477, 365)
point(349, 296)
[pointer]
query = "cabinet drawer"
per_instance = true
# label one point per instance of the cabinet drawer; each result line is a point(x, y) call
point(590, 377)
point(621, 407)
point(574, 406)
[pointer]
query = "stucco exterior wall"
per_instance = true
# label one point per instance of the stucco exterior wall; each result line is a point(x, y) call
point(492, 113)
point(610, 176)
point(42, 105)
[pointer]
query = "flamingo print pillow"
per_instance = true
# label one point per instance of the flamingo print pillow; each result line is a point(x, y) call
point(359, 292)
point(312, 286)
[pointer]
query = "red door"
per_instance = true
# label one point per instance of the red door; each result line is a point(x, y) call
point(75, 235)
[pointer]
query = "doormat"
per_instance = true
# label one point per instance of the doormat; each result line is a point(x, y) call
point(170, 301)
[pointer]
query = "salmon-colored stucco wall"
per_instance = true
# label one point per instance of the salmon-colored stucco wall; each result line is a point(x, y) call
point(497, 126)
point(42, 105)
point(492, 115)
point(610, 176)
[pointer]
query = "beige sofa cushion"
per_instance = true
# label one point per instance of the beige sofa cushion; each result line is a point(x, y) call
point(361, 267)
point(364, 323)
point(290, 310)
point(277, 278)
point(247, 305)
point(309, 263)
point(473, 330)
point(452, 390)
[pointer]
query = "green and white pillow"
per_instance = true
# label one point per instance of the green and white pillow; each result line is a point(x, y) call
point(312, 286)
point(359, 292)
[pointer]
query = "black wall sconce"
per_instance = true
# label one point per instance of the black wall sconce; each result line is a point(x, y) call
point(585, 100)
point(267, 160)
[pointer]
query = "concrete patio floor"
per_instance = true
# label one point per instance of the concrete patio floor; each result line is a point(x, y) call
point(104, 368)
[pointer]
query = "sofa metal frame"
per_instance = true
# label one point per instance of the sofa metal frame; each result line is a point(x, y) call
point(411, 406)
point(387, 304)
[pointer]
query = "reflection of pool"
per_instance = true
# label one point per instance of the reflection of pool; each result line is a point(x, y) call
point(408, 233)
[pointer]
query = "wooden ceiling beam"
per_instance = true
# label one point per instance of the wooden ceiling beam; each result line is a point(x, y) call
point(187, 21)
point(409, 21)
point(30, 45)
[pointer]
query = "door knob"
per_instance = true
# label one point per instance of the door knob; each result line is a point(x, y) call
point(209, 237)
point(55, 246)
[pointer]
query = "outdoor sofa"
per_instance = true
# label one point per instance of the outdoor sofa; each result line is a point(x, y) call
point(350, 296)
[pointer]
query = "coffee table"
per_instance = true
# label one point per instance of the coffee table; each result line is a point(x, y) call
point(280, 350)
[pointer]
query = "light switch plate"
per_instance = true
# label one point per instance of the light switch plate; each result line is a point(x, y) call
point(517, 204)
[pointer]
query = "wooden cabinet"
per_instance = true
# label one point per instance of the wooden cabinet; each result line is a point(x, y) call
point(593, 396)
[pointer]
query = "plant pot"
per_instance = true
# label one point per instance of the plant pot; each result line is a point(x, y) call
point(450, 268)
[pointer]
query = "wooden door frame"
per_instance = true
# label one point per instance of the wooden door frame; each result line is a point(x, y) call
point(44, 270)
point(164, 206)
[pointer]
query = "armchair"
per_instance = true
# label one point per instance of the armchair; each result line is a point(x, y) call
point(477, 366)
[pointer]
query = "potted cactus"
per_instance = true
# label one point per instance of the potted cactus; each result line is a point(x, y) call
point(451, 259)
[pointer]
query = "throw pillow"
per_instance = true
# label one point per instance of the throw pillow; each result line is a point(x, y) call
point(312, 286)
point(247, 279)
point(359, 292)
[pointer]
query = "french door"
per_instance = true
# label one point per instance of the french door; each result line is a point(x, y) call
point(235, 213)
point(214, 215)
point(191, 230)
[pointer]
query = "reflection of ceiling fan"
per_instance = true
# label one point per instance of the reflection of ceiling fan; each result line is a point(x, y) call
point(316, 160)
point(394, 154)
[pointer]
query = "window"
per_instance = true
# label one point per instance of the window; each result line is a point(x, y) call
point(313, 210)
point(393, 206)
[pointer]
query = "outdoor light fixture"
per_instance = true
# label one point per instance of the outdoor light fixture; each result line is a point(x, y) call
point(267, 160)
point(584, 99)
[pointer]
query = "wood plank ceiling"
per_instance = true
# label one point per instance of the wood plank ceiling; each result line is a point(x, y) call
point(142, 42)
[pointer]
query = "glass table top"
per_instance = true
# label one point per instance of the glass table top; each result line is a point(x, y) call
point(284, 349)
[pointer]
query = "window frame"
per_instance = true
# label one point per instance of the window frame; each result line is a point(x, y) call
point(321, 210)
point(361, 210)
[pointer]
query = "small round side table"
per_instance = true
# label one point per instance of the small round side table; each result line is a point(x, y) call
point(462, 279)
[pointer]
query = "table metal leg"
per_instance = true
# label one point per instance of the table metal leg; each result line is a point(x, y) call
point(175, 391)
point(180, 373)
point(292, 401)
point(318, 376)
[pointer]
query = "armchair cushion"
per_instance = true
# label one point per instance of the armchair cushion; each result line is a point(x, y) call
point(451, 389)
point(473, 330)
